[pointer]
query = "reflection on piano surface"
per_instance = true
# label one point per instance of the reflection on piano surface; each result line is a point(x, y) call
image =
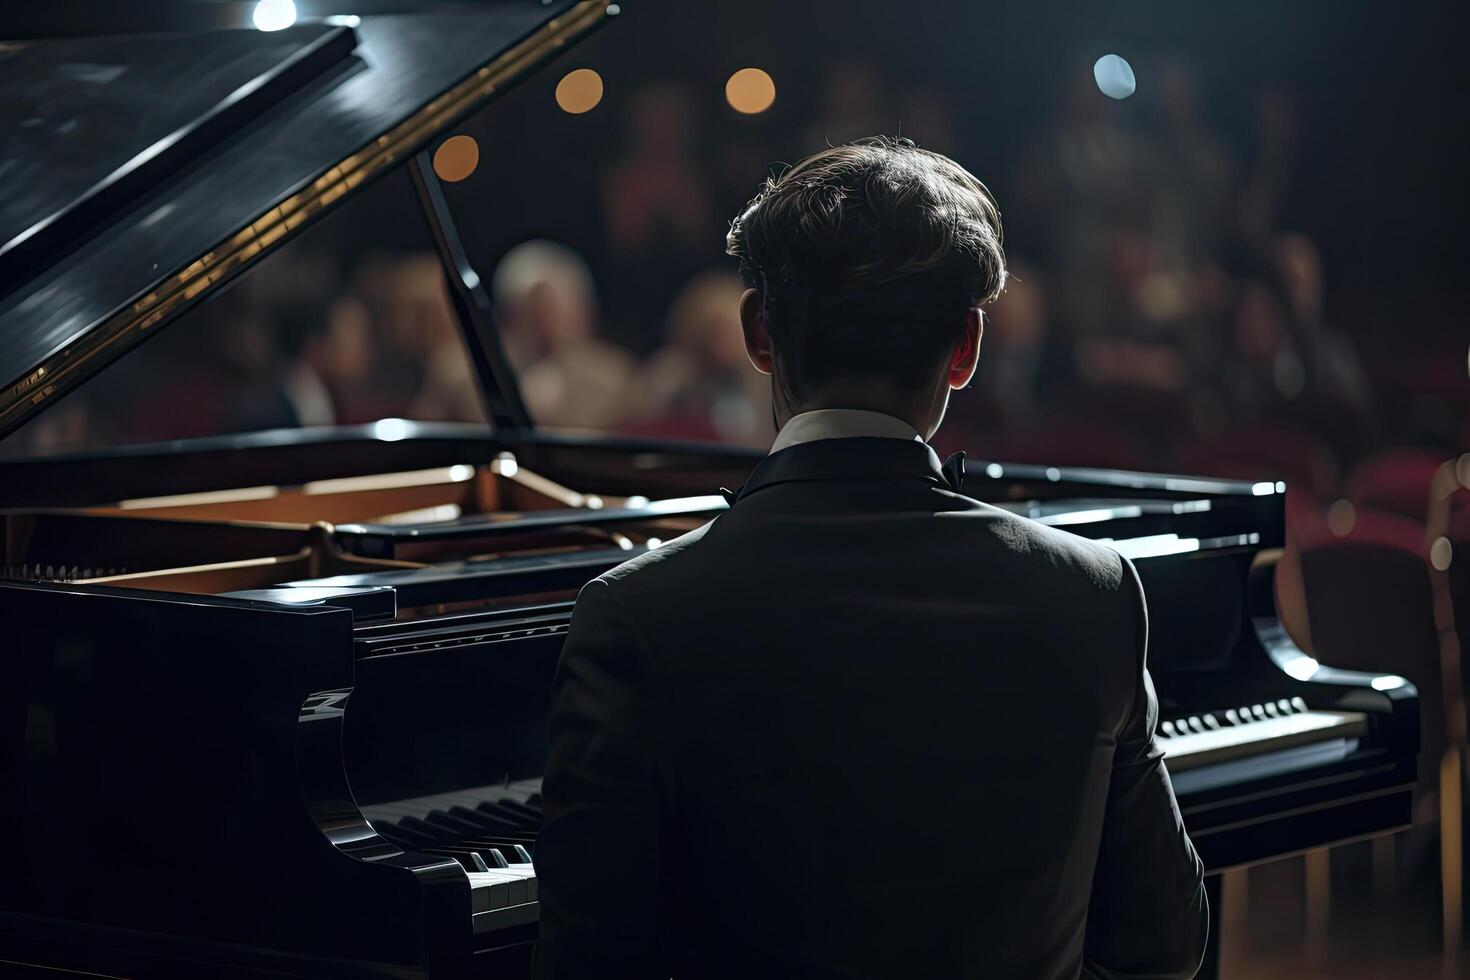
point(257, 537)
point(275, 703)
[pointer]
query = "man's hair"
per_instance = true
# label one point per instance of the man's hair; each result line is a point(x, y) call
point(867, 256)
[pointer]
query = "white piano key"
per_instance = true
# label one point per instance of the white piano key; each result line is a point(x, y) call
point(1190, 750)
point(491, 890)
point(517, 890)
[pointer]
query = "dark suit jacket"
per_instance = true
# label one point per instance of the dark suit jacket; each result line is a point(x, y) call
point(861, 725)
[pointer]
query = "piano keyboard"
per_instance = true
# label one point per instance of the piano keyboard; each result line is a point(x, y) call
point(1193, 741)
point(490, 831)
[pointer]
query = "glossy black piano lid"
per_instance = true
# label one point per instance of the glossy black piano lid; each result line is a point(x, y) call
point(80, 313)
point(89, 125)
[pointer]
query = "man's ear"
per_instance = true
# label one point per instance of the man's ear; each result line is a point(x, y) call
point(753, 323)
point(967, 352)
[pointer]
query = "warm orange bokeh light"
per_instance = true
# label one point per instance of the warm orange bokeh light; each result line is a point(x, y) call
point(750, 91)
point(456, 158)
point(579, 91)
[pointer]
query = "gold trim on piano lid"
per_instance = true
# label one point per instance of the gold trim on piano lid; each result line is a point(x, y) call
point(176, 293)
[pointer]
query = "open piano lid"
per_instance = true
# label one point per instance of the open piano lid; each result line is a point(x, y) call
point(143, 173)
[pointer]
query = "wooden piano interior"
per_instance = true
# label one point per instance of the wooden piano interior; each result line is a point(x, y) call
point(258, 537)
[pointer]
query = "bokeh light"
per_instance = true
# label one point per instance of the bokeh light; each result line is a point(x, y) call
point(1342, 517)
point(579, 91)
point(456, 158)
point(1441, 553)
point(273, 15)
point(750, 91)
point(1114, 76)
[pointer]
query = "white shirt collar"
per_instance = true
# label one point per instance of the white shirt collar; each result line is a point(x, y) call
point(841, 423)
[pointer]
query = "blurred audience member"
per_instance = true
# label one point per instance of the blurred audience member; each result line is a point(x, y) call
point(1276, 129)
point(548, 311)
point(302, 328)
point(1014, 347)
point(344, 357)
point(1190, 170)
point(658, 222)
point(424, 332)
point(700, 386)
point(1263, 372)
point(654, 194)
point(1086, 183)
point(1335, 371)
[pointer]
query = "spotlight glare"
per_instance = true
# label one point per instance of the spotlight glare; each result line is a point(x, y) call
point(273, 15)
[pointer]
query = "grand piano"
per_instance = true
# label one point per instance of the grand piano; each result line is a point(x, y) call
point(273, 703)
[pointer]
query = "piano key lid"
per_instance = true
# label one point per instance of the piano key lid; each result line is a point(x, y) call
point(147, 172)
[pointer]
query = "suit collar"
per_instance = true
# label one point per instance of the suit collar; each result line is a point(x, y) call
point(853, 459)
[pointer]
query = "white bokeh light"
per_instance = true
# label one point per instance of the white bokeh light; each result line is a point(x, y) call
point(1114, 76)
point(390, 430)
point(273, 15)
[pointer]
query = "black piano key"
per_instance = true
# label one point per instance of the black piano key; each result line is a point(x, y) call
point(496, 810)
point(530, 813)
point(494, 855)
point(480, 820)
point(507, 836)
point(453, 824)
point(396, 839)
point(405, 837)
point(513, 818)
point(468, 859)
point(424, 829)
point(510, 823)
point(512, 850)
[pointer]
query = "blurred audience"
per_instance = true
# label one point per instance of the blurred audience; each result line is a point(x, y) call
point(1156, 306)
point(700, 385)
point(547, 307)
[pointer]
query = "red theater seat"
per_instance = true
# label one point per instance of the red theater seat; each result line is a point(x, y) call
point(1397, 482)
point(1371, 608)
